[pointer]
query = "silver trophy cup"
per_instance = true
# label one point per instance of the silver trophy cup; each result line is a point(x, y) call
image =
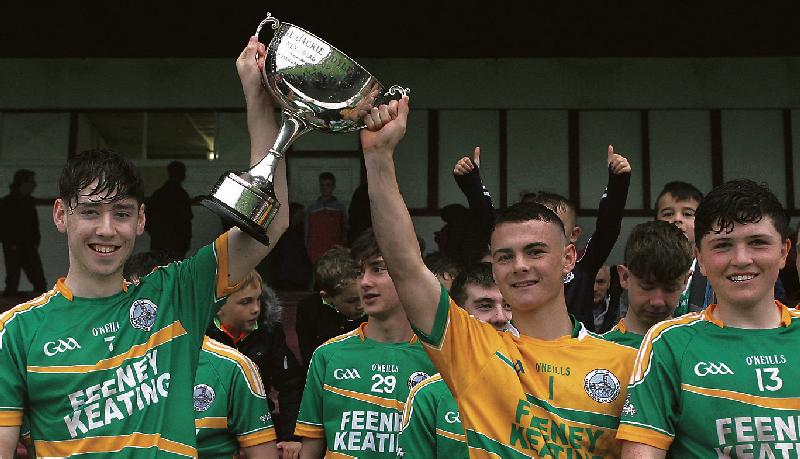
point(317, 87)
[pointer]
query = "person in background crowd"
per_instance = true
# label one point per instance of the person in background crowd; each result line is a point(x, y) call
point(446, 270)
point(326, 220)
point(169, 213)
point(250, 322)
point(335, 308)
point(287, 267)
point(20, 235)
point(657, 265)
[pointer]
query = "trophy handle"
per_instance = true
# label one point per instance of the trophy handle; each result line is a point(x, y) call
point(275, 24)
point(395, 92)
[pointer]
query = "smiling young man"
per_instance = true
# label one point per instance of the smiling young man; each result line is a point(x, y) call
point(431, 421)
point(724, 382)
point(104, 367)
point(555, 389)
point(358, 382)
point(657, 261)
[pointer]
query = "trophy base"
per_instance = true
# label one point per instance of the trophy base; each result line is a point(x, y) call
point(222, 210)
point(249, 208)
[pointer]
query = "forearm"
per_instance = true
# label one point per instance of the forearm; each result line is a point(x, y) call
point(313, 448)
point(609, 220)
point(631, 450)
point(9, 437)
point(394, 230)
point(261, 123)
point(479, 199)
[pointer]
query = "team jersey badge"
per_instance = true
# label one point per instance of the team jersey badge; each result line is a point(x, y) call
point(416, 378)
point(203, 397)
point(143, 314)
point(601, 385)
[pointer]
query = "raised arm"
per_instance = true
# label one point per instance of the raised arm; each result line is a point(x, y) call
point(416, 285)
point(244, 252)
point(468, 178)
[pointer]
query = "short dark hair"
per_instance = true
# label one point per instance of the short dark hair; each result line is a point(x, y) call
point(522, 212)
point(439, 263)
point(657, 252)
point(335, 269)
point(738, 201)
point(144, 263)
point(365, 246)
point(114, 174)
point(479, 274)
point(327, 176)
point(681, 191)
point(556, 202)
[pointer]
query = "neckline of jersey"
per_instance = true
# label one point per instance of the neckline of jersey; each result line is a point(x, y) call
point(65, 291)
point(362, 333)
point(786, 318)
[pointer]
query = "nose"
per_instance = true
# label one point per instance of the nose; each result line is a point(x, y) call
point(500, 317)
point(105, 226)
point(741, 255)
point(657, 297)
point(520, 265)
point(364, 281)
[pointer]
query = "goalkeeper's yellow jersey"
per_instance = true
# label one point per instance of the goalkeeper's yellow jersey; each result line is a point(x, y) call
point(527, 397)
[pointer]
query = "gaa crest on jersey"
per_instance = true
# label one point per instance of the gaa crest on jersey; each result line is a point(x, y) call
point(416, 378)
point(601, 385)
point(203, 397)
point(143, 314)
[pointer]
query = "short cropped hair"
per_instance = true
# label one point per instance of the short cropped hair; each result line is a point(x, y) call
point(556, 202)
point(738, 202)
point(657, 252)
point(479, 274)
point(335, 269)
point(115, 175)
point(144, 263)
point(681, 191)
point(327, 176)
point(522, 212)
point(439, 263)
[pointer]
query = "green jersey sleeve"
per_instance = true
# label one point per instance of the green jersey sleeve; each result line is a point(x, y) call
point(651, 411)
point(12, 369)
point(310, 420)
point(249, 417)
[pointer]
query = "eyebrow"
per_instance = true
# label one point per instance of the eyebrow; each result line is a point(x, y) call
point(116, 205)
point(532, 245)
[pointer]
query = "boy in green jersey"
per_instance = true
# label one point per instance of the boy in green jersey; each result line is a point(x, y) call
point(724, 382)
point(230, 403)
point(657, 261)
point(105, 367)
point(358, 382)
point(431, 421)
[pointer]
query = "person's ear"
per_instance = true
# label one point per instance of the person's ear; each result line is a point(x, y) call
point(576, 234)
point(696, 253)
point(140, 221)
point(624, 273)
point(570, 257)
point(60, 215)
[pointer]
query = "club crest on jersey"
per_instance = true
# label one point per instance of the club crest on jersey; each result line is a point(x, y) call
point(143, 314)
point(568, 277)
point(601, 385)
point(203, 397)
point(416, 378)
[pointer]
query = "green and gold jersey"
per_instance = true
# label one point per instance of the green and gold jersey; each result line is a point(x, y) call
point(355, 393)
point(431, 424)
point(230, 404)
point(701, 389)
point(112, 376)
point(621, 335)
point(523, 396)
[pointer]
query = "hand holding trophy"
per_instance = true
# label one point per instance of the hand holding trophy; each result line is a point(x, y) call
point(318, 87)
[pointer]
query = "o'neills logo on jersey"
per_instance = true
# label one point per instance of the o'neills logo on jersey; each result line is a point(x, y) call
point(367, 431)
point(143, 314)
point(131, 388)
point(601, 385)
point(416, 378)
point(203, 397)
